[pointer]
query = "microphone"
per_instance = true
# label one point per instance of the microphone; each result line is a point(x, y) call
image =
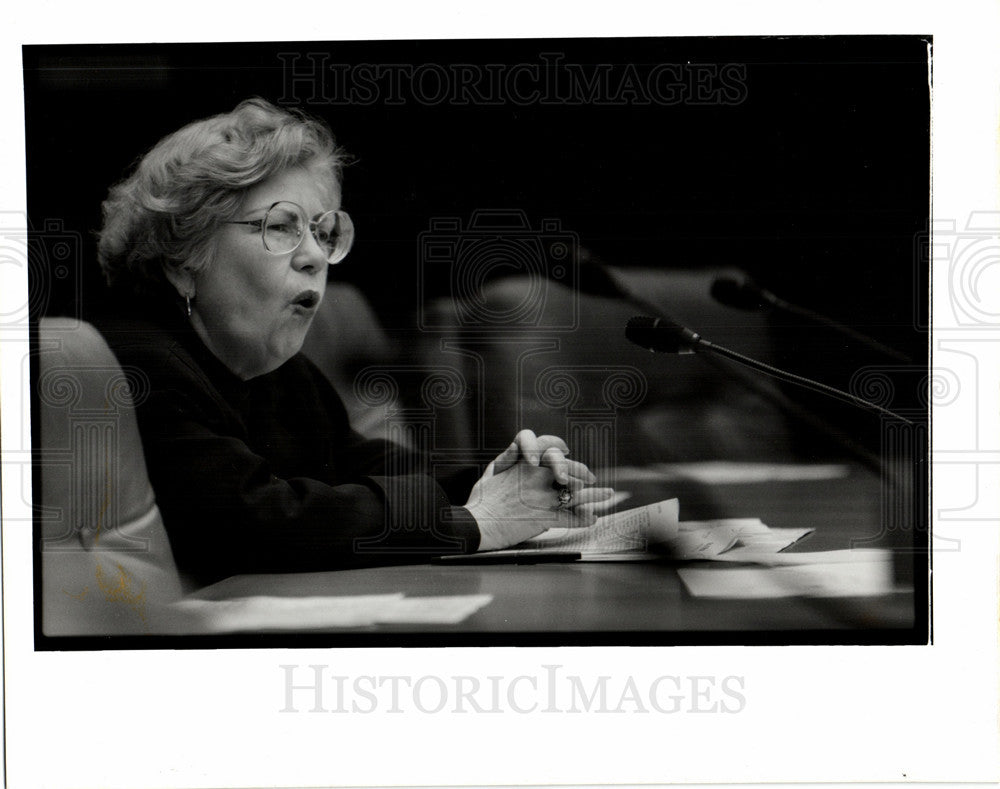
point(660, 335)
point(745, 294)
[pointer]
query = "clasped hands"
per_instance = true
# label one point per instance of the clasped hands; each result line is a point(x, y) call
point(516, 498)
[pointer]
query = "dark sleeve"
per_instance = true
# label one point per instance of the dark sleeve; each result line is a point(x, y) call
point(378, 458)
point(227, 512)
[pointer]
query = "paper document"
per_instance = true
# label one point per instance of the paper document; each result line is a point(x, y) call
point(721, 538)
point(631, 531)
point(864, 578)
point(445, 610)
point(654, 531)
point(852, 555)
point(304, 613)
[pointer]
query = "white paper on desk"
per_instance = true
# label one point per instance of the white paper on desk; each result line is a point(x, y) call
point(445, 610)
point(718, 539)
point(806, 557)
point(740, 526)
point(835, 579)
point(309, 613)
point(702, 543)
point(262, 612)
point(771, 541)
point(630, 531)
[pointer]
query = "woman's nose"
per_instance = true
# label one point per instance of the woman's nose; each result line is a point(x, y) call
point(309, 256)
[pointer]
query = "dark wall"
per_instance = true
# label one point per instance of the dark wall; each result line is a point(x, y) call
point(804, 161)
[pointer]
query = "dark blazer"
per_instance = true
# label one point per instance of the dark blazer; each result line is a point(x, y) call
point(267, 475)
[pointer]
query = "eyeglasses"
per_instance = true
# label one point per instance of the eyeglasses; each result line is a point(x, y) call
point(283, 227)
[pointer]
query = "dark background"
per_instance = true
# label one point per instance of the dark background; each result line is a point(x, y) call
point(816, 181)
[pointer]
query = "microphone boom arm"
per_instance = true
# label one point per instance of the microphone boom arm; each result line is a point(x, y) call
point(665, 336)
point(798, 380)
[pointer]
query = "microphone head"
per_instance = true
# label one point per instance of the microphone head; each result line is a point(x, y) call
point(741, 294)
point(660, 334)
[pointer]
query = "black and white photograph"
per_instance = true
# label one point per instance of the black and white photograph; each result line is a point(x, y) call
point(410, 387)
point(542, 341)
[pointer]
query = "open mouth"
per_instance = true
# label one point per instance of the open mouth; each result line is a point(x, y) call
point(307, 300)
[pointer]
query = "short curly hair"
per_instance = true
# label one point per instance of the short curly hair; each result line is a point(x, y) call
point(192, 181)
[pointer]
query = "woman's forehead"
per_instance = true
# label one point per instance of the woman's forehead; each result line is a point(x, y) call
point(311, 188)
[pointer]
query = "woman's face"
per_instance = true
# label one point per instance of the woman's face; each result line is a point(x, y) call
point(252, 308)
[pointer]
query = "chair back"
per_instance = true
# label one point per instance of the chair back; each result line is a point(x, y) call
point(106, 562)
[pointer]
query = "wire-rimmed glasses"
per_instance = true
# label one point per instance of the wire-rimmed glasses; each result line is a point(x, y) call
point(283, 227)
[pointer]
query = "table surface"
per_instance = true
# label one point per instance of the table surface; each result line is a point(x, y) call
point(645, 602)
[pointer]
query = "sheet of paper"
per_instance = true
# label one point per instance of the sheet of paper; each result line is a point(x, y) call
point(771, 541)
point(740, 525)
point(702, 543)
point(834, 579)
point(306, 613)
point(629, 531)
point(806, 557)
point(285, 613)
point(717, 539)
point(445, 610)
point(641, 556)
point(723, 543)
point(634, 532)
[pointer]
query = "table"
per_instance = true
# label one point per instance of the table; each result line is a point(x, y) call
point(639, 603)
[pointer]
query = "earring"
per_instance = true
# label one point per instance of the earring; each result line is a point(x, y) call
point(187, 301)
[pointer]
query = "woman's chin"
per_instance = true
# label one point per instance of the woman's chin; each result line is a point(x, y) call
point(276, 351)
point(285, 353)
point(250, 353)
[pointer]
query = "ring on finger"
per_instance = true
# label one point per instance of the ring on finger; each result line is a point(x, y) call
point(565, 497)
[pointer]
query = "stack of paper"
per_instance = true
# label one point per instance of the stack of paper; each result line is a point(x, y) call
point(627, 535)
point(654, 530)
point(722, 538)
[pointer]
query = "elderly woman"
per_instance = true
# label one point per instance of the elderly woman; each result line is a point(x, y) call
point(218, 246)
